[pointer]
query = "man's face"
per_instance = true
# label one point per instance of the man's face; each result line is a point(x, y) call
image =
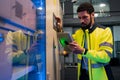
point(85, 19)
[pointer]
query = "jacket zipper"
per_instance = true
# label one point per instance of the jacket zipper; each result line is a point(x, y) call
point(91, 78)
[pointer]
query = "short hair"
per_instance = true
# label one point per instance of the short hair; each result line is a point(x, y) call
point(85, 7)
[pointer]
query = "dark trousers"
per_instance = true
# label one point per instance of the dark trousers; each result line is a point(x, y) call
point(84, 75)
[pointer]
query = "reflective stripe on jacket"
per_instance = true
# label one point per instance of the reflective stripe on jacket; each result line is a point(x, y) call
point(100, 47)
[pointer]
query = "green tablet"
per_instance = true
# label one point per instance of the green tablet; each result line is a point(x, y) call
point(64, 39)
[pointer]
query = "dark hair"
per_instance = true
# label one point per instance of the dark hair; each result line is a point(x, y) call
point(85, 7)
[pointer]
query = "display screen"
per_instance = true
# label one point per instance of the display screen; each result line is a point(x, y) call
point(63, 41)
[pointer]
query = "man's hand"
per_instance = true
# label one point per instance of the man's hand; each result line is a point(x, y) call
point(76, 48)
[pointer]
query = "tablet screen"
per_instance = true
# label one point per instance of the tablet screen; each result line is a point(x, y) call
point(64, 38)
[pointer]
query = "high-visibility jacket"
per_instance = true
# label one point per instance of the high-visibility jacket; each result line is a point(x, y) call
point(100, 46)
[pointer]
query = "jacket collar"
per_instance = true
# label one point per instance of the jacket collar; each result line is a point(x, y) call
point(92, 28)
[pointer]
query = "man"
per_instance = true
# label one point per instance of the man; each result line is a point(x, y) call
point(93, 45)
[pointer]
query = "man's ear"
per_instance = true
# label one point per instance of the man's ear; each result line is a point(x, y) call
point(92, 14)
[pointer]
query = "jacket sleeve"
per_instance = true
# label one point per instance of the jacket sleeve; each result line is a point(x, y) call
point(104, 53)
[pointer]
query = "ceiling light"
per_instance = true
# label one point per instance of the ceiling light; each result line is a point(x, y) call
point(102, 5)
point(96, 14)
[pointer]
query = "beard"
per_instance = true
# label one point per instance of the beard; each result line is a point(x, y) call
point(85, 26)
